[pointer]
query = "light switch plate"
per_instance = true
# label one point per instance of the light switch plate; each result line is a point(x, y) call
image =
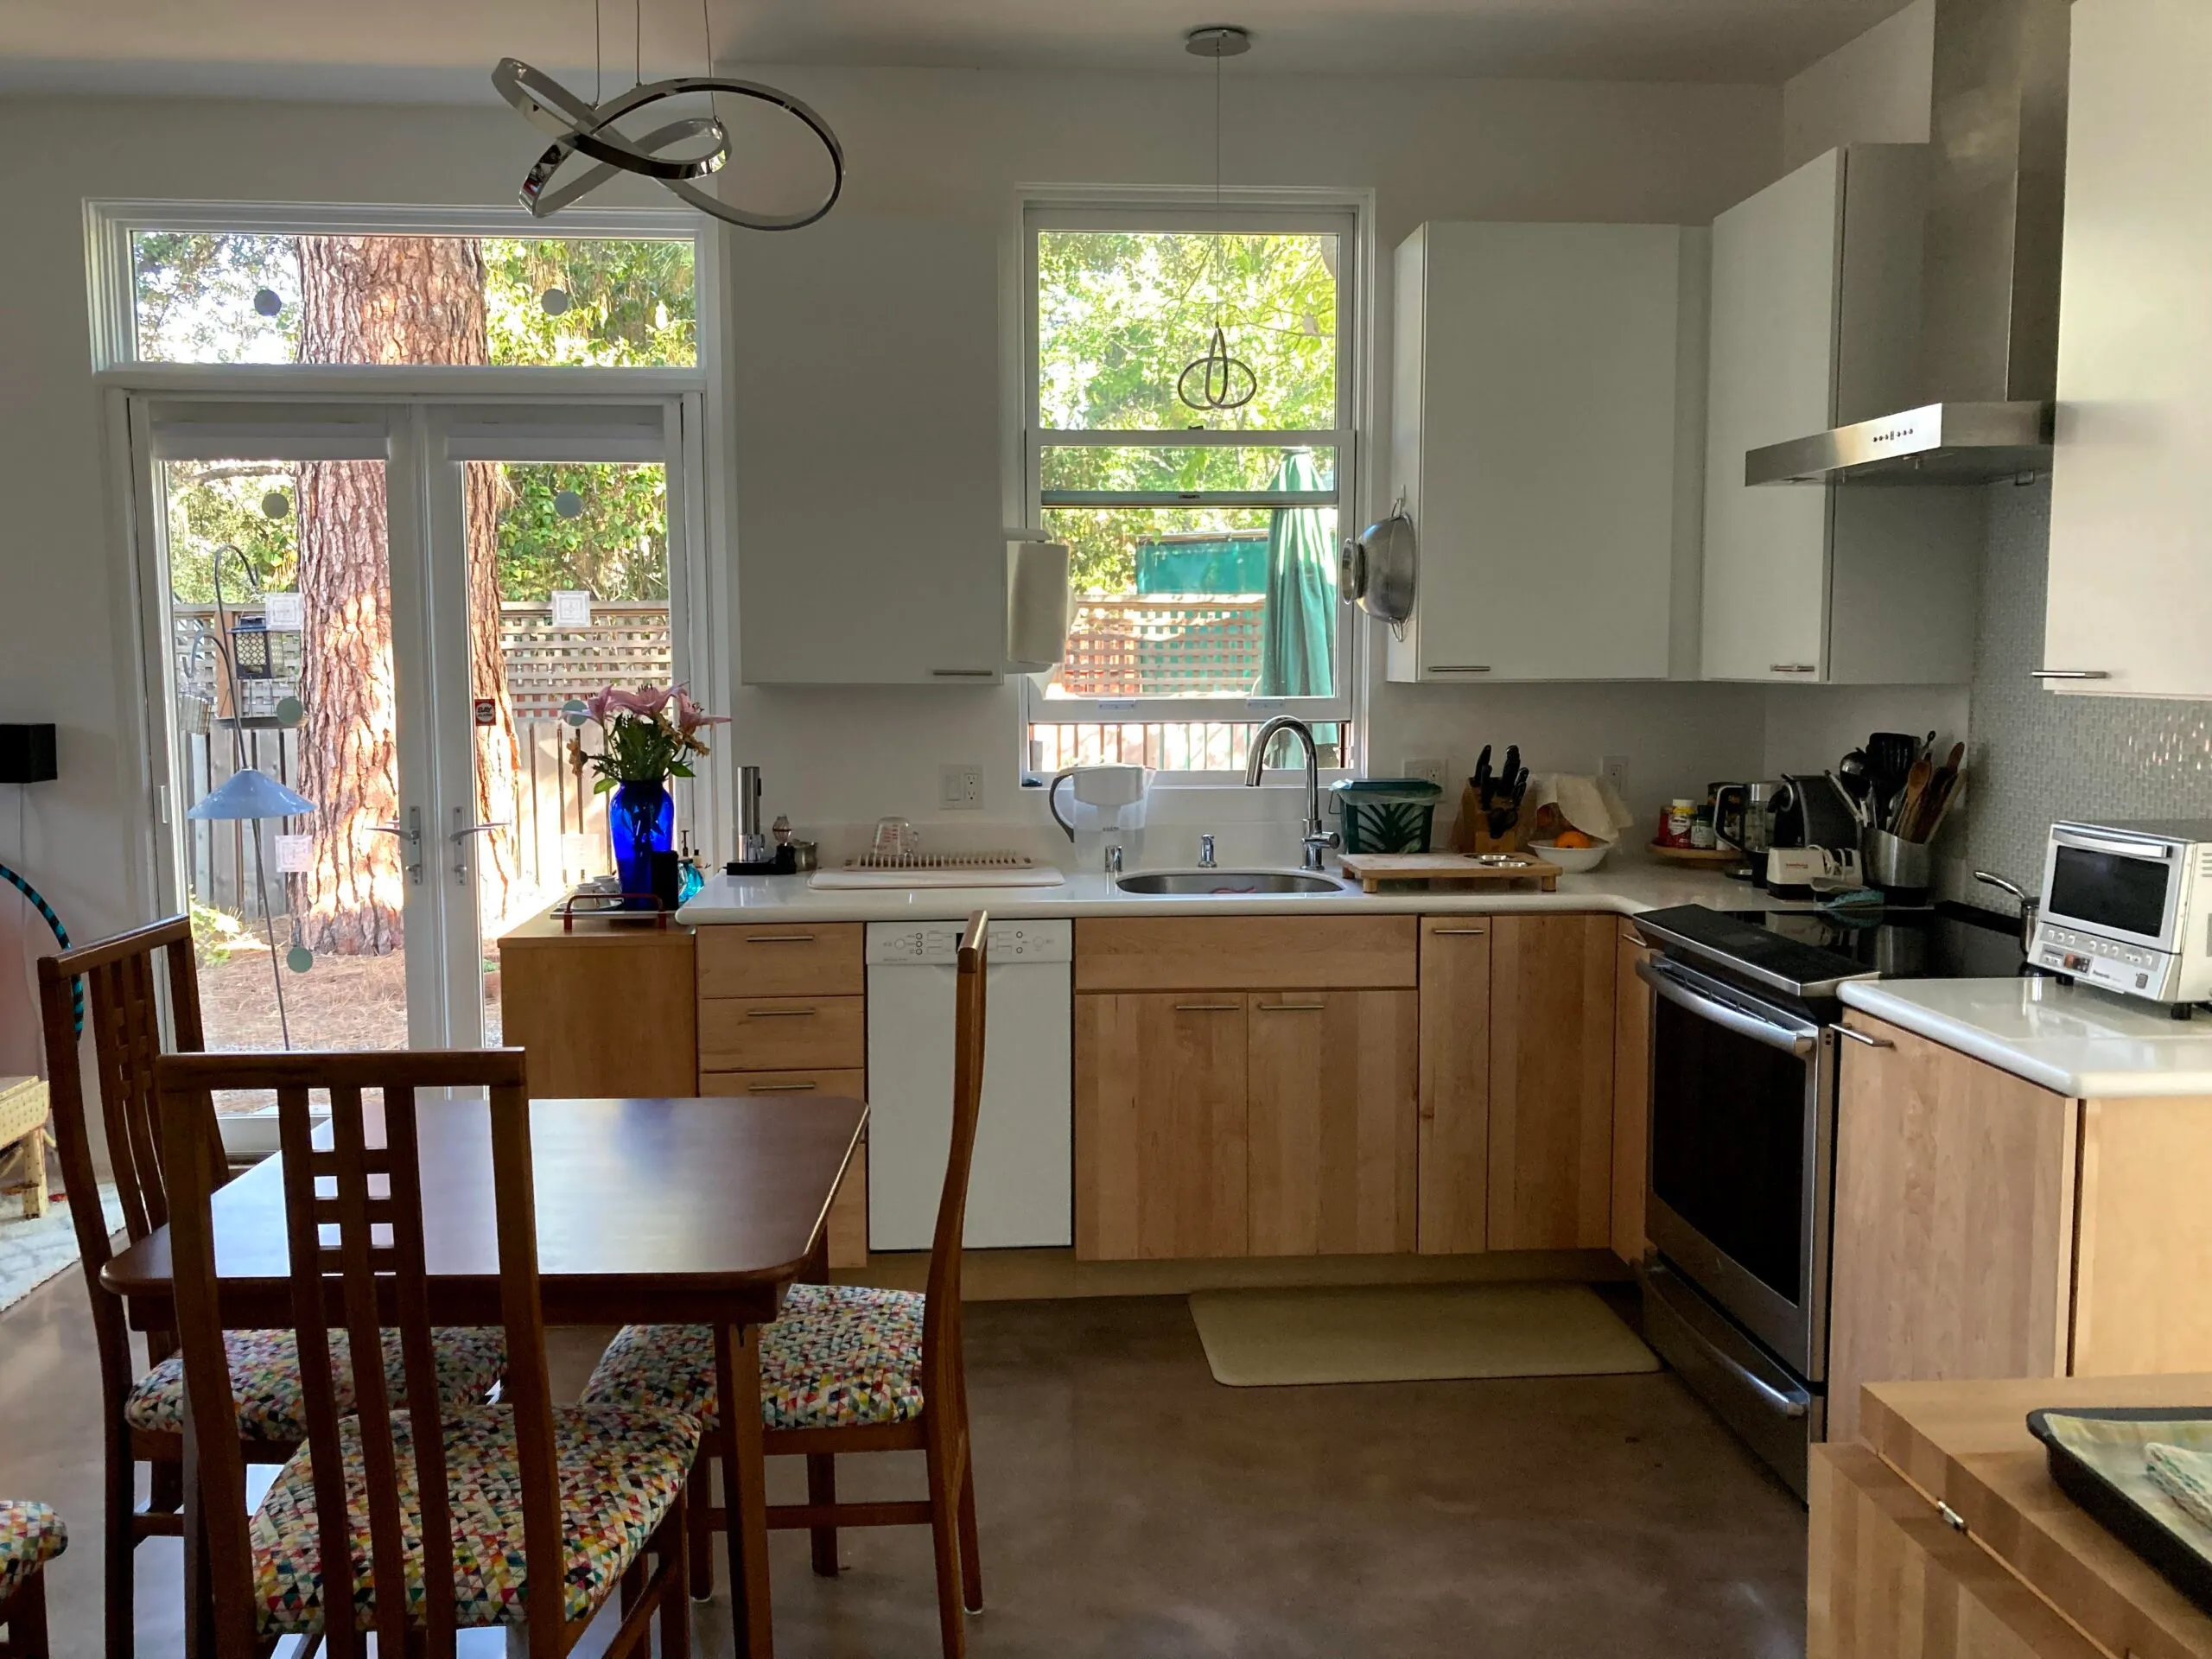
point(959, 789)
point(1429, 771)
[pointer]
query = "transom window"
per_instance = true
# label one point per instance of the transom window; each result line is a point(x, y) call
point(1204, 538)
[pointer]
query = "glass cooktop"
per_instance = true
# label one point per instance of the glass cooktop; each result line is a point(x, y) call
point(1808, 953)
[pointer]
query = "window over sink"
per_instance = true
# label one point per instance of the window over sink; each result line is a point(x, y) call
point(1203, 531)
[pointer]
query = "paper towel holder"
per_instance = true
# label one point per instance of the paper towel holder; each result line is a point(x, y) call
point(1037, 603)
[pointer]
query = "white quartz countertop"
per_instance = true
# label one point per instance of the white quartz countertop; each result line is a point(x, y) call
point(1626, 886)
point(2073, 1039)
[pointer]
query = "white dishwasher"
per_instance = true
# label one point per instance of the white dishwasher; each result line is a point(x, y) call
point(1021, 1191)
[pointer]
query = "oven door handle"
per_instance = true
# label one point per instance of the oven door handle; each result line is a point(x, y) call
point(2150, 850)
point(1800, 1043)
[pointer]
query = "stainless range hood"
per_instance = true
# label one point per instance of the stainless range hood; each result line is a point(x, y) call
point(1989, 269)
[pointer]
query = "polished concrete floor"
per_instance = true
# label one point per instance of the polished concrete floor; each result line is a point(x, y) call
point(1132, 1507)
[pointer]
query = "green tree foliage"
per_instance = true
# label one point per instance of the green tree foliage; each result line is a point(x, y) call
point(1119, 316)
point(631, 304)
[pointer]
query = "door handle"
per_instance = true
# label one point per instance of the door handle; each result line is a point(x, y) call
point(463, 829)
point(1459, 932)
point(1289, 1008)
point(410, 836)
point(2069, 674)
point(1208, 1007)
point(1861, 1037)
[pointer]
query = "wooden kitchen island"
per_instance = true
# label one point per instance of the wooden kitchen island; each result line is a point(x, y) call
point(1941, 1534)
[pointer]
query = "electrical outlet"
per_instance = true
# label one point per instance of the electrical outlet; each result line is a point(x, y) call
point(1429, 771)
point(1613, 768)
point(959, 789)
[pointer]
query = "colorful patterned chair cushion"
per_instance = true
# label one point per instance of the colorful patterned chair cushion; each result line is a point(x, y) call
point(265, 1379)
point(838, 1356)
point(31, 1535)
point(619, 1472)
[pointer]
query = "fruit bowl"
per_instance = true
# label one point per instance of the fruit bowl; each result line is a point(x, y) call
point(1574, 860)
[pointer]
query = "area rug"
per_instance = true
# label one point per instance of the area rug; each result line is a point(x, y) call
point(32, 1252)
point(1407, 1333)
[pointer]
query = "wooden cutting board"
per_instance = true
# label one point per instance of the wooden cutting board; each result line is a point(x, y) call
point(1370, 870)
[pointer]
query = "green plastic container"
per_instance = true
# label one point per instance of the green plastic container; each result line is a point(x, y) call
point(1385, 815)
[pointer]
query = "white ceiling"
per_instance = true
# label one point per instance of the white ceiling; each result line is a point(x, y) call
point(444, 48)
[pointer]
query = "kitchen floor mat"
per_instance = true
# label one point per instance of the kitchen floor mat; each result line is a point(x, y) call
point(1409, 1333)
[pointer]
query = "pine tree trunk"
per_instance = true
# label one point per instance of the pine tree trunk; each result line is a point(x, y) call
point(389, 299)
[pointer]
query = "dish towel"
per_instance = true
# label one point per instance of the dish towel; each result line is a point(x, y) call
point(1591, 805)
point(2182, 1475)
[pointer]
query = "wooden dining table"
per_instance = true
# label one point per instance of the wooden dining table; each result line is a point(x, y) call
point(674, 1211)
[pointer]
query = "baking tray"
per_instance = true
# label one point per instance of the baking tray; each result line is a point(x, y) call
point(2096, 1458)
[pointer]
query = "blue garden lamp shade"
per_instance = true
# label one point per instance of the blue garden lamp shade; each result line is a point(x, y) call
point(249, 794)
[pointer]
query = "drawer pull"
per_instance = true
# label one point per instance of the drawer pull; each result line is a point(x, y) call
point(781, 1089)
point(779, 938)
point(1290, 1007)
point(781, 1013)
point(1861, 1037)
point(1208, 1007)
point(1793, 668)
point(1458, 932)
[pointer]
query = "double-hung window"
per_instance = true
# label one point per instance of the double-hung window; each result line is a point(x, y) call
point(1204, 537)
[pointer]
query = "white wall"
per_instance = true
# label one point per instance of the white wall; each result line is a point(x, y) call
point(951, 146)
point(1875, 90)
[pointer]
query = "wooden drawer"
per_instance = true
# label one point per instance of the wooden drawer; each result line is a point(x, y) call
point(848, 1209)
point(1887, 1579)
point(769, 959)
point(783, 1033)
point(1254, 953)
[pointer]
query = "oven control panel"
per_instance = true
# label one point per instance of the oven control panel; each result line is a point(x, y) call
point(2130, 970)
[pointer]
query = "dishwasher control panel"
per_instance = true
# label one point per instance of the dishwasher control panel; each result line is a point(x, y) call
point(928, 944)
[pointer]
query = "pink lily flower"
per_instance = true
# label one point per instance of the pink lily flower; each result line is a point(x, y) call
point(690, 716)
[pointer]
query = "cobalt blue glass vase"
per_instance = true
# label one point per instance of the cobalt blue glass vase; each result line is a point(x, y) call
point(641, 819)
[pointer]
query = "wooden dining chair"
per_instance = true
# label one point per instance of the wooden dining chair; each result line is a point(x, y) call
point(142, 1416)
point(522, 1514)
point(31, 1535)
point(846, 1368)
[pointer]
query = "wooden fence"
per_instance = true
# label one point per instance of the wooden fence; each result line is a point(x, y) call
point(1164, 645)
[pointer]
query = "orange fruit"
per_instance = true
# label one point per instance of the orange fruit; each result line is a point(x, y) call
point(1574, 838)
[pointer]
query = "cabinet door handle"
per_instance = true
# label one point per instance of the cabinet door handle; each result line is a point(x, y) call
point(781, 1013)
point(963, 673)
point(781, 1089)
point(1861, 1037)
point(2070, 674)
point(779, 938)
point(1459, 932)
point(1289, 1008)
point(1459, 668)
point(1793, 668)
point(1208, 1007)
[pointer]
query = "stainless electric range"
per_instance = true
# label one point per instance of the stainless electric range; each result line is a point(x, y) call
point(1746, 1054)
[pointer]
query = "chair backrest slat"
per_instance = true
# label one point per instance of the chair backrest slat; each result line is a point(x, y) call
point(122, 1012)
point(370, 1285)
point(941, 1320)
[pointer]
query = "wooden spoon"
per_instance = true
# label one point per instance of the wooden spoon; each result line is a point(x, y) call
point(1916, 786)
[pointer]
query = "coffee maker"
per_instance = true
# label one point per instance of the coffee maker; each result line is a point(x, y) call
point(1815, 846)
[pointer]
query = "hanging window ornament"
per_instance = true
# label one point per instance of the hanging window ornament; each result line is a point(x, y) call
point(554, 300)
point(567, 504)
point(670, 155)
point(276, 505)
point(267, 301)
point(1219, 379)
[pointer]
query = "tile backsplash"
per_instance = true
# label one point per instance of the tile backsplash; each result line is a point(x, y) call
point(2037, 755)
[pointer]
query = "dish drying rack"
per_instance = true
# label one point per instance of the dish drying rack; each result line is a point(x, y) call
point(984, 861)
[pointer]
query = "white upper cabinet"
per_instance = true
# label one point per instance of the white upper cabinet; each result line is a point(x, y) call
point(864, 394)
point(1545, 436)
point(1814, 322)
point(2130, 519)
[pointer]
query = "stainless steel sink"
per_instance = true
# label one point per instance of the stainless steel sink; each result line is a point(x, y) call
point(1225, 882)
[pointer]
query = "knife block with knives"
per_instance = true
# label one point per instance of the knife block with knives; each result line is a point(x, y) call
point(1489, 807)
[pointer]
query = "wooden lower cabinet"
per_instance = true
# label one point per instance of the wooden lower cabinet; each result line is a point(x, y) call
point(1160, 1125)
point(848, 1209)
point(1454, 1176)
point(1331, 1122)
point(1632, 1093)
point(1551, 1081)
point(556, 991)
point(1888, 1579)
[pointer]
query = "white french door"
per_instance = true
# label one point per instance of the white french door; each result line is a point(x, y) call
point(381, 606)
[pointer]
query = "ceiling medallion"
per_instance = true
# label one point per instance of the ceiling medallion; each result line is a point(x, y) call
point(580, 127)
point(1225, 381)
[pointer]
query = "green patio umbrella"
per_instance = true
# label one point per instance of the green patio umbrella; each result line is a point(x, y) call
point(1302, 591)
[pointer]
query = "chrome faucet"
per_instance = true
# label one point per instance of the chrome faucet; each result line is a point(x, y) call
point(1205, 852)
point(1314, 839)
